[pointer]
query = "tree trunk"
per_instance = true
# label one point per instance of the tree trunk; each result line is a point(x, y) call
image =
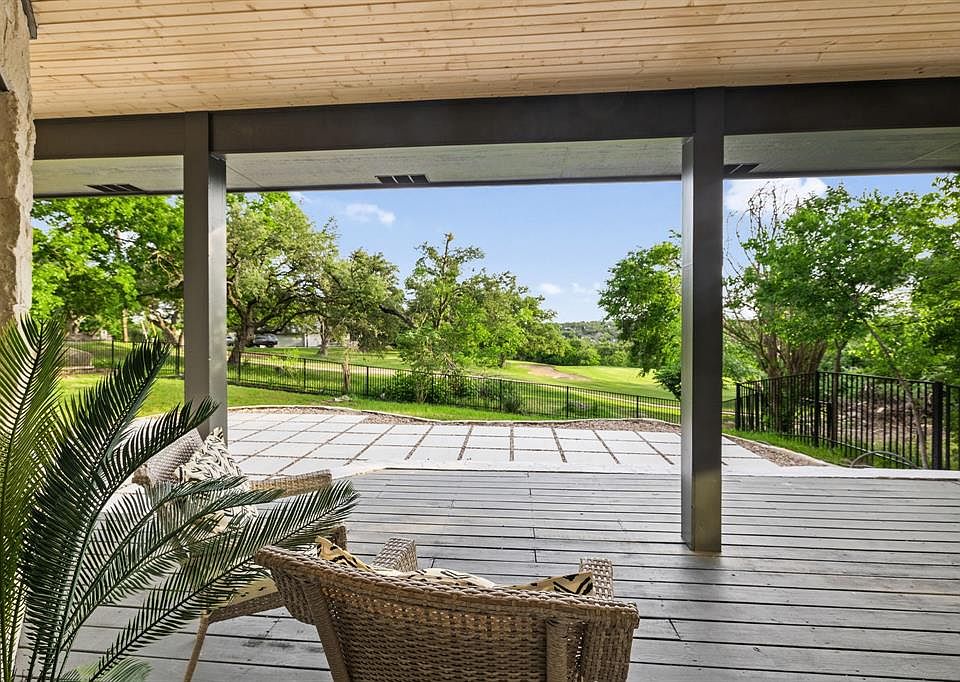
point(125, 322)
point(243, 335)
point(345, 367)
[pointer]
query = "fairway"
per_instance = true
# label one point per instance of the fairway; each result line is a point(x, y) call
point(602, 378)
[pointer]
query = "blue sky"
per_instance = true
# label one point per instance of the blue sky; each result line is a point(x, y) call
point(560, 240)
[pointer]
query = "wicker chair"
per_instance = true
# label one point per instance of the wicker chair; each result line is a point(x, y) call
point(161, 468)
point(376, 628)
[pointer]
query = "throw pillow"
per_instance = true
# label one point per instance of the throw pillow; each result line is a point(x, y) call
point(580, 584)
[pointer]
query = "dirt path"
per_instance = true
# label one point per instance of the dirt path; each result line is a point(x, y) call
point(552, 373)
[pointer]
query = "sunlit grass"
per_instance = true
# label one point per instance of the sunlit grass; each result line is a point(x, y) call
point(166, 393)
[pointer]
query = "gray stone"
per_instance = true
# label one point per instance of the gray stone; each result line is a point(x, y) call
point(16, 159)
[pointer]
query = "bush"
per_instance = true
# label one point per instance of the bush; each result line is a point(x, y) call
point(417, 387)
point(668, 376)
point(510, 398)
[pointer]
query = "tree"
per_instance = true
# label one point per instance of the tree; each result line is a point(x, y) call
point(544, 342)
point(642, 298)
point(761, 325)
point(361, 303)
point(493, 315)
point(276, 265)
point(100, 261)
point(935, 298)
point(840, 265)
point(435, 300)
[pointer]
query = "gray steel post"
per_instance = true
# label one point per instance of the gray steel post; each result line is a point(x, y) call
point(702, 325)
point(204, 270)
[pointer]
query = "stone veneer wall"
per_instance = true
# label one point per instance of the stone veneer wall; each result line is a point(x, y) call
point(16, 158)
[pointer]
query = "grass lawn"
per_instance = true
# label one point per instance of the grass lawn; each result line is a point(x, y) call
point(167, 393)
point(832, 455)
point(614, 379)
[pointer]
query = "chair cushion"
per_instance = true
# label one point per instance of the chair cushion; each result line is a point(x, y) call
point(576, 583)
point(212, 460)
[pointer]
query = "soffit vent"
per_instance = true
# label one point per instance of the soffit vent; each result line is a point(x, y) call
point(117, 189)
point(737, 169)
point(407, 179)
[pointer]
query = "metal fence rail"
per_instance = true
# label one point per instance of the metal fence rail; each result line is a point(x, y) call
point(305, 375)
point(876, 420)
point(316, 376)
point(95, 356)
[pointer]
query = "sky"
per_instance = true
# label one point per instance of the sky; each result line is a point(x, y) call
point(560, 240)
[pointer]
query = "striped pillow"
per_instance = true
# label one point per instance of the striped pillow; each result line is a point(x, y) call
point(580, 584)
point(213, 461)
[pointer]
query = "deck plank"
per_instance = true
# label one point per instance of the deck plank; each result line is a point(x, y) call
point(820, 579)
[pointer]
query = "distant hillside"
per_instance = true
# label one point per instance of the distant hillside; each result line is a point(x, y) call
point(596, 331)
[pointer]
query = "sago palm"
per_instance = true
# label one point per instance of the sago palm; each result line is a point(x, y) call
point(78, 545)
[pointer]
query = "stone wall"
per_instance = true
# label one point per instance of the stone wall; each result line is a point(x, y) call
point(16, 157)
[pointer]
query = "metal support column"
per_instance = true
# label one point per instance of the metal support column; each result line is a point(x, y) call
point(702, 334)
point(205, 270)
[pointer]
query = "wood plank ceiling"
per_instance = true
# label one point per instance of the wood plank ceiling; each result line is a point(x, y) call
point(100, 57)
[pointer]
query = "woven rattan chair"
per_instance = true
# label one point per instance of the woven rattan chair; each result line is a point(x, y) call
point(376, 628)
point(161, 468)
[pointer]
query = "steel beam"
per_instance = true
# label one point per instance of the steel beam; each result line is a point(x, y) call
point(204, 270)
point(702, 325)
point(869, 105)
point(502, 120)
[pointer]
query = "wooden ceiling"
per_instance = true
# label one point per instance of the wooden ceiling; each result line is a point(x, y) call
point(101, 57)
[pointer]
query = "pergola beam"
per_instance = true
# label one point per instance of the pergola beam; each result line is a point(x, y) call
point(874, 105)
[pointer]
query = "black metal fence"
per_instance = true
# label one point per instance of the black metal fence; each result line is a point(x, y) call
point(307, 375)
point(872, 420)
point(96, 356)
point(310, 375)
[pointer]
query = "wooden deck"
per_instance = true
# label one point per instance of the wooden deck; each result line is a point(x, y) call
point(820, 579)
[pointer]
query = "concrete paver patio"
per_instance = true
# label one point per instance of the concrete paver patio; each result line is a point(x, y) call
point(269, 442)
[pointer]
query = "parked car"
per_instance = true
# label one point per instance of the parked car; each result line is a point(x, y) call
point(264, 340)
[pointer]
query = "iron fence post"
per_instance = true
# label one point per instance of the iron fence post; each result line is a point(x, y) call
point(936, 451)
point(366, 382)
point(816, 409)
point(566, 403)
point(636, 407)
point(737, 419)
point(178, 360)
point(303, 368)
point(500, 395)
point(113, 362)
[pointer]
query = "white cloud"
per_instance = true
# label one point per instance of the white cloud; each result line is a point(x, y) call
point(550, 289)
point(581, 290)
point(364, 213)
point(301, 197)
point(738, 192)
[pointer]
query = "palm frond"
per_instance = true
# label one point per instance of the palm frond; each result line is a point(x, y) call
point(127, 670)
point(85, 471)
point(144, 535)
point(30, 359)
point(220, 564)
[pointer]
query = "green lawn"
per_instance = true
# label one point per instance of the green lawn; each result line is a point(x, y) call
point(168, 392)
point(615, 379)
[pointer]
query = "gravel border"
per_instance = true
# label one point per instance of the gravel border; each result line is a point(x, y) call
point(777, 455)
